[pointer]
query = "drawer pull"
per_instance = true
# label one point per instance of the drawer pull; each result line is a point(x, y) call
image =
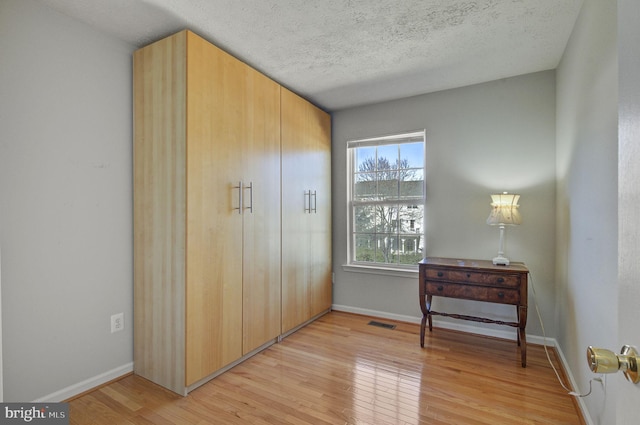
point(468, 274)
point(500, 294)
point(440, 288)
point(501, 280)
point(440, 274)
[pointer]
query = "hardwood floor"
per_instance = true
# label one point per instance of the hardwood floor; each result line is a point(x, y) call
point(340, 370)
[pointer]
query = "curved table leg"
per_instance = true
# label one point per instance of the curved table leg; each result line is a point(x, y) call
point(425, 314)
point(429, 315)
point(522, 337)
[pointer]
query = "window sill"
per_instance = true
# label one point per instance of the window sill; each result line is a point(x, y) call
point(382, 271)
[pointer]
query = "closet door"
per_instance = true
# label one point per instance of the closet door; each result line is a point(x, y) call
point(260, 140)
point(306, 211)
point(215, 101)
point(319, 131)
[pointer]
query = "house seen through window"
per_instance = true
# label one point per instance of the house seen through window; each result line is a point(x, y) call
point(386, 200)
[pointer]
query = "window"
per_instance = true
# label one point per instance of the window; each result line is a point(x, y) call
point(386, 200)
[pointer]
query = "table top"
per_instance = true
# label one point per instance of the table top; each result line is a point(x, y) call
point(473, 264)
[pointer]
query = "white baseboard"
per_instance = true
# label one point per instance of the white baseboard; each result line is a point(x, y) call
point(86, 385)
point(456, 326)
point(497, 333)
point(573, 385)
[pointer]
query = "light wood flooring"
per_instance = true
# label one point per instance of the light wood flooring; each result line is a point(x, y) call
point(340, 370)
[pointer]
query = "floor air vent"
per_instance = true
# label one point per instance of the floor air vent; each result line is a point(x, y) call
point(382, 325)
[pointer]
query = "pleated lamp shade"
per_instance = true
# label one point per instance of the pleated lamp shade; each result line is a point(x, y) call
point(504, 209)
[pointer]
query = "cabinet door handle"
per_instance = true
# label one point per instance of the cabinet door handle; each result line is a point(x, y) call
point(500, 280)
point(315, 201)
point(440, 274)
point(307, 197)
point(440, 288)
point(250, 187)
point(239, 187)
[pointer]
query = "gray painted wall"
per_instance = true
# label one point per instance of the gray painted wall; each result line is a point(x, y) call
point(587, 140)
point(66, 200)
point(481, 139)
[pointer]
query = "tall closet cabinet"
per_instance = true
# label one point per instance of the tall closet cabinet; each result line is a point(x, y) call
point(207, 212)
point(306, 211)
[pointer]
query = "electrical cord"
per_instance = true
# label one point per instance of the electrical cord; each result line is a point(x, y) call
point(546, 350)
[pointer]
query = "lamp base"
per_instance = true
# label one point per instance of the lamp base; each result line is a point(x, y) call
point(501, 261)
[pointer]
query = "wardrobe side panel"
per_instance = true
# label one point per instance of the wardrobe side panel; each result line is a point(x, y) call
point(159, 211)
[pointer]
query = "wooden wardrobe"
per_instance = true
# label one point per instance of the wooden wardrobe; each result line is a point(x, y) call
point(306, 211)
point(208, 222)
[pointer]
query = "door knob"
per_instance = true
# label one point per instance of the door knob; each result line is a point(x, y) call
point(601, 360)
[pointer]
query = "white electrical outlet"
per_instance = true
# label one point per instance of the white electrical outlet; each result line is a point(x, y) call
point(117, 322)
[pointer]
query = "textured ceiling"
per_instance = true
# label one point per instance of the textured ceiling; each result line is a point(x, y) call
point(342, 53)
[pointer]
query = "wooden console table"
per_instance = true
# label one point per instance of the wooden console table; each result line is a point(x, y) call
point(477, 280)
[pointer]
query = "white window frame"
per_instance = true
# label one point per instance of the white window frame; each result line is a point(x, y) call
point(402, 270)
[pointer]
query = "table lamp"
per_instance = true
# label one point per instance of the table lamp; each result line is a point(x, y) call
point(504, 211)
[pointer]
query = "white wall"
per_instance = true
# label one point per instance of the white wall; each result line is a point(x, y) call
point(587, 163)
point(66, 207)
point(481, 139)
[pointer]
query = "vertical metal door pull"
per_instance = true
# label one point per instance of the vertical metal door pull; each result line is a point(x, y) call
point(307, 194)
point(315, 201)
point(250, 187)
point(239, 187)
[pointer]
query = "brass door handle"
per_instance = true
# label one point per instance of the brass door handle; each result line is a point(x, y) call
point(601, 360)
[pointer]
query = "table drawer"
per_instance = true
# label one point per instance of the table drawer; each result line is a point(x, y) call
point(483, 278)
point(478, 293)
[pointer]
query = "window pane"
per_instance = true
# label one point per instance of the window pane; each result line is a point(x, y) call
point(388, 185)
point(365, 249)
point(387, 157)
point(387, 181)
point(365, 159)
point(409, 256)
point(364, 219)
point(365, 186)
point(412, 184)
point(411, 234)
point(386, 218)
point(386, 248)
point(413, 154)
point(411, 219)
